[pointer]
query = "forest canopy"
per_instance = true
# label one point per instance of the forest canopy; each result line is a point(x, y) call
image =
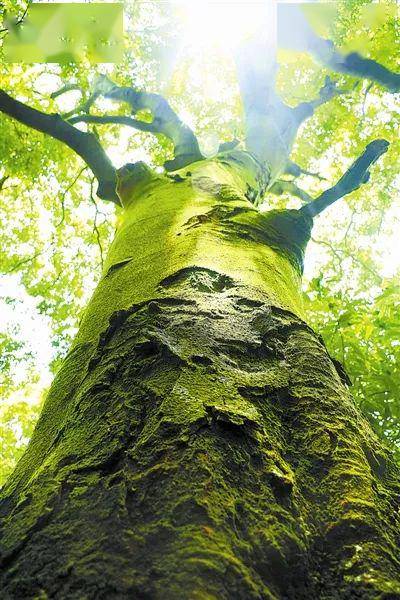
point(55, 230)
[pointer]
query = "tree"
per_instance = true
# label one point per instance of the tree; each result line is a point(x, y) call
point(198, 440)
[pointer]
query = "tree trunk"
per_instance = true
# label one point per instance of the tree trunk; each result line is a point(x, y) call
point(198, 442)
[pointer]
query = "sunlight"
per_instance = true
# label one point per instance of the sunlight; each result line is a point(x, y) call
point(224, 23)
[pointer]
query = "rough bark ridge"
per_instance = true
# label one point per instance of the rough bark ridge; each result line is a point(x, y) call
point(198, 442)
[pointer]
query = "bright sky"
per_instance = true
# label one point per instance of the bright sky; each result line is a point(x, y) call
point(206, 22)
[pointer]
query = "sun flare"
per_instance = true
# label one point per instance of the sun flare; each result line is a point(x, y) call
point(225, 24)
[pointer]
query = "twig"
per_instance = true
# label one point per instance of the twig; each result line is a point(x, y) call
point(29, 259)
point(3, 180)
point(68, 87)
point(294, 169)
point(337, 251)
point(67, 189)
point(95, 228)
point(282, 186)
point(369, 86)
point(344, 240)
point(19, 21)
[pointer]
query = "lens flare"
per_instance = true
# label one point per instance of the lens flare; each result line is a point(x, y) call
point(224, 23)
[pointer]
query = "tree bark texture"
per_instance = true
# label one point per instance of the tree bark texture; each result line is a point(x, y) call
point(198, 442)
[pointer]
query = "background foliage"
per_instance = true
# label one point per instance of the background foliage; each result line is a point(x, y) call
point(55, 232)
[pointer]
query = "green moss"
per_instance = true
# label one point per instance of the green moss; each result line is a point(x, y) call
point(198, 441)
point(202, 218)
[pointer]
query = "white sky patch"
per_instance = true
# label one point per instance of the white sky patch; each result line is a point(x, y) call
point(209, 144)
point(106, 106)
point(68, 101)
point(120, 153)
point(187, 117)
point(47, 83)
point(388, 243)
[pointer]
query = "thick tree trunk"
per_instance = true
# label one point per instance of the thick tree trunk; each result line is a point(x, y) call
point(198, 442)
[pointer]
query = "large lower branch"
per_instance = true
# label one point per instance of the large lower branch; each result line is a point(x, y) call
point(354, 177)
point(85, 144)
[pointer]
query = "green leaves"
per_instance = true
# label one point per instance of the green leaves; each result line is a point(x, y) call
point(364, 335)
point(16, 425)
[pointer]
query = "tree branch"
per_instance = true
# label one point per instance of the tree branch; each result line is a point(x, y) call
point(294, 169)
point(295, 32)
point(3, 180)
point(304, 110)
point(68, 87)
point(354, 177)
point(354, 64)
point(83, 107)
point(165, 120)
point(226, 146)
point(271, 126)
point(265, 115)
point(281, 187)
point(85, 144)
point(114, 119)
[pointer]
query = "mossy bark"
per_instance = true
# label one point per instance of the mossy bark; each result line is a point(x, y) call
point(198, 442)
